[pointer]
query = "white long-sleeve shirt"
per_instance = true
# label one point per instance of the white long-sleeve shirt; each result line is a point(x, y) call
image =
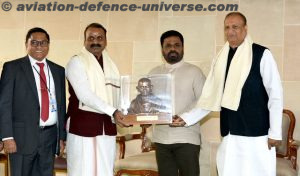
point(52, 119)
point(188, 81)
point(273, 86)
point(77, 76)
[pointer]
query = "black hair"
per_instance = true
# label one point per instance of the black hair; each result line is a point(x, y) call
point(34, 30)
point(94, 25)
point(169, 34)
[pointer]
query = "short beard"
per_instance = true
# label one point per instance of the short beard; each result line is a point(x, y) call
point(173, 59)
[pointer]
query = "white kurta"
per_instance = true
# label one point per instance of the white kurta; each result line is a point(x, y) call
point(241, 155)
point(89, 156)
point(246, 156)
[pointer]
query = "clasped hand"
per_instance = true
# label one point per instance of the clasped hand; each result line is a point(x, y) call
point(177, 121)
point(119, 119)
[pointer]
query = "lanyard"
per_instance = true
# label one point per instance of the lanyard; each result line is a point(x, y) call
point(44, 81)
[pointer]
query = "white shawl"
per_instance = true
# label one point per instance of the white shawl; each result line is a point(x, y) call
point(104, 84)
point(214, 95)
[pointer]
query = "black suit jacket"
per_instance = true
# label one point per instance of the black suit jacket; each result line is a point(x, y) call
point(19, 104)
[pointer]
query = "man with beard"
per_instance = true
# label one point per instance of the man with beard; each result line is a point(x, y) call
point(145, 101)
point(178, 144)
point(94, 89)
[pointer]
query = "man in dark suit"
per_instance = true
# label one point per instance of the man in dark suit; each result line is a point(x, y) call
point(32, 108)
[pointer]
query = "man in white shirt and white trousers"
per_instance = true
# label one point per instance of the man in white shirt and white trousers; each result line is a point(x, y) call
point(244, 85)
point(94, 88)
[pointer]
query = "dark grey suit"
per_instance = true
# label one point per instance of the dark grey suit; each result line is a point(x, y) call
point(20, 116)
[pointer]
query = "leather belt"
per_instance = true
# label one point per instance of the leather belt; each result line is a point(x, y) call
point(47, 127)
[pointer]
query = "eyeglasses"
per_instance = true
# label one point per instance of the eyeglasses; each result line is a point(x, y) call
point(36, 43)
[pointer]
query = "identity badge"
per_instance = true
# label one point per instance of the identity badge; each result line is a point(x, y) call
point(53, 104)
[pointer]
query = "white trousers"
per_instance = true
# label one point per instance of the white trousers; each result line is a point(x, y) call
point(246, 156)
point(90, 156)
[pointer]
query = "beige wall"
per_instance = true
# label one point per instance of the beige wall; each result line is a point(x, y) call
point(133, 38)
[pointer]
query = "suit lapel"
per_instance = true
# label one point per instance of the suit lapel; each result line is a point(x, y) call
point(26, 66)
point(57, 84)
point(56, 79)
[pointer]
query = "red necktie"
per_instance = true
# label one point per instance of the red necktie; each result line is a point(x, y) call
point(44, 93)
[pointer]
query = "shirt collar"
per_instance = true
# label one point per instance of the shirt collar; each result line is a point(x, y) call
point(33, 61)
point(174, 66)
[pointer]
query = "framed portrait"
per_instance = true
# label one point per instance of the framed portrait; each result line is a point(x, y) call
point(147, 99)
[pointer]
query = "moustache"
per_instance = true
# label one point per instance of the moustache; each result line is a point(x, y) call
point(173, 52)
point(95, 46)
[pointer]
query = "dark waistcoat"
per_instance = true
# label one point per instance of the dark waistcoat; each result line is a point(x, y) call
point(252, 116)
point(85, 123)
